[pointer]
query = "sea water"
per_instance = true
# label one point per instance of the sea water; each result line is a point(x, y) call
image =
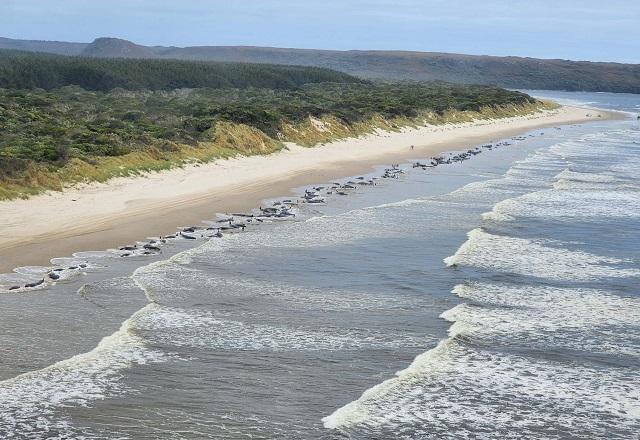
point(494, 298)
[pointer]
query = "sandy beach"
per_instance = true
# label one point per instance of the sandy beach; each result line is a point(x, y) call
point(123, 210)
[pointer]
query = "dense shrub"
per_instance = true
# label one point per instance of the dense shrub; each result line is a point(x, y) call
point(55, 126)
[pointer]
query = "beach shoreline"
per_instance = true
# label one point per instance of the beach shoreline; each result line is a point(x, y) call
point(124, 210)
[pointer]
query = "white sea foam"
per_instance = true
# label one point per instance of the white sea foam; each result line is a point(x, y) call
point(571, 180)
point(198, 328)
point(456, 392)
point(465, 392)
point(170, 282)
point(93, 255)
point(38, 271)
point(629, 168)
point(68, 261)
point(539, 258)
point(548, 317)
point(568, 205)
point(400, 204)
point(28, 402)
point(576, 176)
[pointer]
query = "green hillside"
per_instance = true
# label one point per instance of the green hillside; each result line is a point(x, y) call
point(24, 70)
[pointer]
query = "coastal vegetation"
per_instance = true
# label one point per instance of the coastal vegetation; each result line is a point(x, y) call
point(71, 134)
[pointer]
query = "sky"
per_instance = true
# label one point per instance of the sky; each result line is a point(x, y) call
point(602, 30)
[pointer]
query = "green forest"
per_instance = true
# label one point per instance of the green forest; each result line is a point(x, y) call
point(25, 70)
point(45, 130)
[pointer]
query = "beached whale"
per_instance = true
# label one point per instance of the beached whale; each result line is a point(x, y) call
point(35, 283)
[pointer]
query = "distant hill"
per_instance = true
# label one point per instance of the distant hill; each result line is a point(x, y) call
point(512, 72)
point(27, 70)
point(57, 47)
point(116, 48)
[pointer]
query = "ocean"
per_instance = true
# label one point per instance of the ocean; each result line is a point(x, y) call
point(493, 298)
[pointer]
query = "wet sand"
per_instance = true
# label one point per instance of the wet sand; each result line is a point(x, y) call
point(123, 210)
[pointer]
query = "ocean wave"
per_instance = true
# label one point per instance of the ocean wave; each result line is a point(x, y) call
point(535, 258)
point(28, 403)
point(400, 204)
point(570, 205)
point(548, 317)
point(198, 328)
point(629, 168)
point(488, 379)
point(459, 389)
point(455, 391)
point(577, 176)
point(172, 283)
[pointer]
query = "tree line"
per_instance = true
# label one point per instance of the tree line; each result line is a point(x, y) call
point(25, 70)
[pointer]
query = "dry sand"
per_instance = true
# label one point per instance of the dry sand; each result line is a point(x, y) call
point(123, 210)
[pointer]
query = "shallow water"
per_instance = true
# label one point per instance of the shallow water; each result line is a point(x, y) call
point(494, 298)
